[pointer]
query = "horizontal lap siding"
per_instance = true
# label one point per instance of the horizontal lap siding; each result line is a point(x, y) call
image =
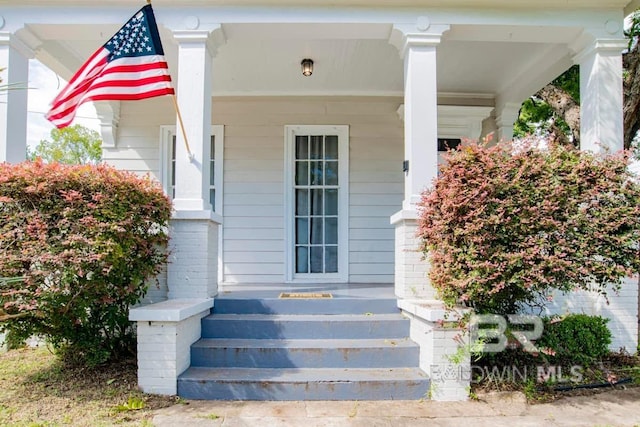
point(376, 187)
point(253, 234)
point(138, 135)
point(254, 181)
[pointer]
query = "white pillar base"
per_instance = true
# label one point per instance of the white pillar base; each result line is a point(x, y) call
point(411, 269)
point(440, 341)
point(165, 332)
point(192, 271)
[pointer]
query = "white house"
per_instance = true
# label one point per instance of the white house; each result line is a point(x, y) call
point(309, 183)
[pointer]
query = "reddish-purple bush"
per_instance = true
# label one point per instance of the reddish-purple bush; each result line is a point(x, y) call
point(86, 240)
point(503, 226)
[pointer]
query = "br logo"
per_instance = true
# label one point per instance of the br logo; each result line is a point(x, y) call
point(491, 330)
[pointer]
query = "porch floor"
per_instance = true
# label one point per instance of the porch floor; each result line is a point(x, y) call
point(337, 290)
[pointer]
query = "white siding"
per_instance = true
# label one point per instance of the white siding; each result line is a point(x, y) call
point(254, 181)
point(138, 141)
point(253, 232)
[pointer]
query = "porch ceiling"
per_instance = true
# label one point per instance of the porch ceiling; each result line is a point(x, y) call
point(353, 59)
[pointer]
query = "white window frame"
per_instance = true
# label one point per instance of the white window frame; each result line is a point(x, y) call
point(166, 135)
point(343, 202)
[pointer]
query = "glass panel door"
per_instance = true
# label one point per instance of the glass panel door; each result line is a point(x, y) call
point(316, 196)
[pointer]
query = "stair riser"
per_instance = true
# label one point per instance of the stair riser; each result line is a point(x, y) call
point(384, 357)
point(299, 329)
point(283, 391)
point(305, 306)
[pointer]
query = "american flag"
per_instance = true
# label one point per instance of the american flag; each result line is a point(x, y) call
point(130, 66)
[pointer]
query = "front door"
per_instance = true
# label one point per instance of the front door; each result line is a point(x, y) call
point(317, 167)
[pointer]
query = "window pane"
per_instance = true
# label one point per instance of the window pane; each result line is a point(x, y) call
point(302, 173)
point(173, 147)
point(316, 259)
point(316, 231)
point(302, 202)
point(173, 173)
point(302, 259)
point(316, 202)
point(212, 198)
point(331, 147)
point(331, 259)
point(213, 147)
point(331, 202)
point(302, 231)
point(331, 173)
point(331, 231)
point(316, 173)
point(316, 147)
point(212, 173)
point(302, 147)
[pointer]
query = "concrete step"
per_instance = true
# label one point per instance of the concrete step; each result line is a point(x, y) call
point(304, 306)
point(305, 353)
point(303, 384)
point(293, 326)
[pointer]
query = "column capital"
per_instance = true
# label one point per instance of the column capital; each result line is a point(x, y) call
point(507, 113)
point(505, 116)
point(213, 37)
point(12, 40)
point(600, 46)
point(421, 34)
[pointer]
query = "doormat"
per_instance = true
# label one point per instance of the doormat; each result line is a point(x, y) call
point(305, 295)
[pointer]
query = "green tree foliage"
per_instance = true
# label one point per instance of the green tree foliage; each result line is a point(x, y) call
point(85, 240)
point(537, 116)
point(71, 145)
point(504, 226)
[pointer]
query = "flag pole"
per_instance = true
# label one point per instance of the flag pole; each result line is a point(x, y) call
point(184, 133)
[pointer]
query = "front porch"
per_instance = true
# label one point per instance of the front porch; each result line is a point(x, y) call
point(388, 82)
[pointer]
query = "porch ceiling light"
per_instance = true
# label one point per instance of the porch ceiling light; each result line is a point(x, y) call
point(307, 67)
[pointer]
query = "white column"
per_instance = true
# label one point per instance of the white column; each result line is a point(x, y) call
point(194, 92)
point(417, 45)
point(14, 57)
point(192, 271)
point(601, 114)
point(420, 113)
point(506, 116)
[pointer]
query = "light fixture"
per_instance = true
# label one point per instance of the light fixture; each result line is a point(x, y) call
point(307, 67)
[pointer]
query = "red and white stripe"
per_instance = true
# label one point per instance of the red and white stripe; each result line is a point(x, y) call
point(125, 78)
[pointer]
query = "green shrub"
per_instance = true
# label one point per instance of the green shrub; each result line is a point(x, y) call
point(85, 240)
point(575, 338)
point(504, 225)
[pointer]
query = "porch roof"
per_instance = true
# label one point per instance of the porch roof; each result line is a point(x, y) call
point(496, 52)
point(500, 4)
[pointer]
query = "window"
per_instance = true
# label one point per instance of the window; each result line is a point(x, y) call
point(168, 167)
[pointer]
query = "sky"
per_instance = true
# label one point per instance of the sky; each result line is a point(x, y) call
point(44, 85)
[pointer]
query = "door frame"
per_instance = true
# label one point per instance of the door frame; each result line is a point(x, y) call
point(342, 131)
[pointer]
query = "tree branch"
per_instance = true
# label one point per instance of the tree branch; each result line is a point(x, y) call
point(565, 107)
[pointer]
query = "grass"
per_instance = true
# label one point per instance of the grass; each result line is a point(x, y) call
point(37, 390)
